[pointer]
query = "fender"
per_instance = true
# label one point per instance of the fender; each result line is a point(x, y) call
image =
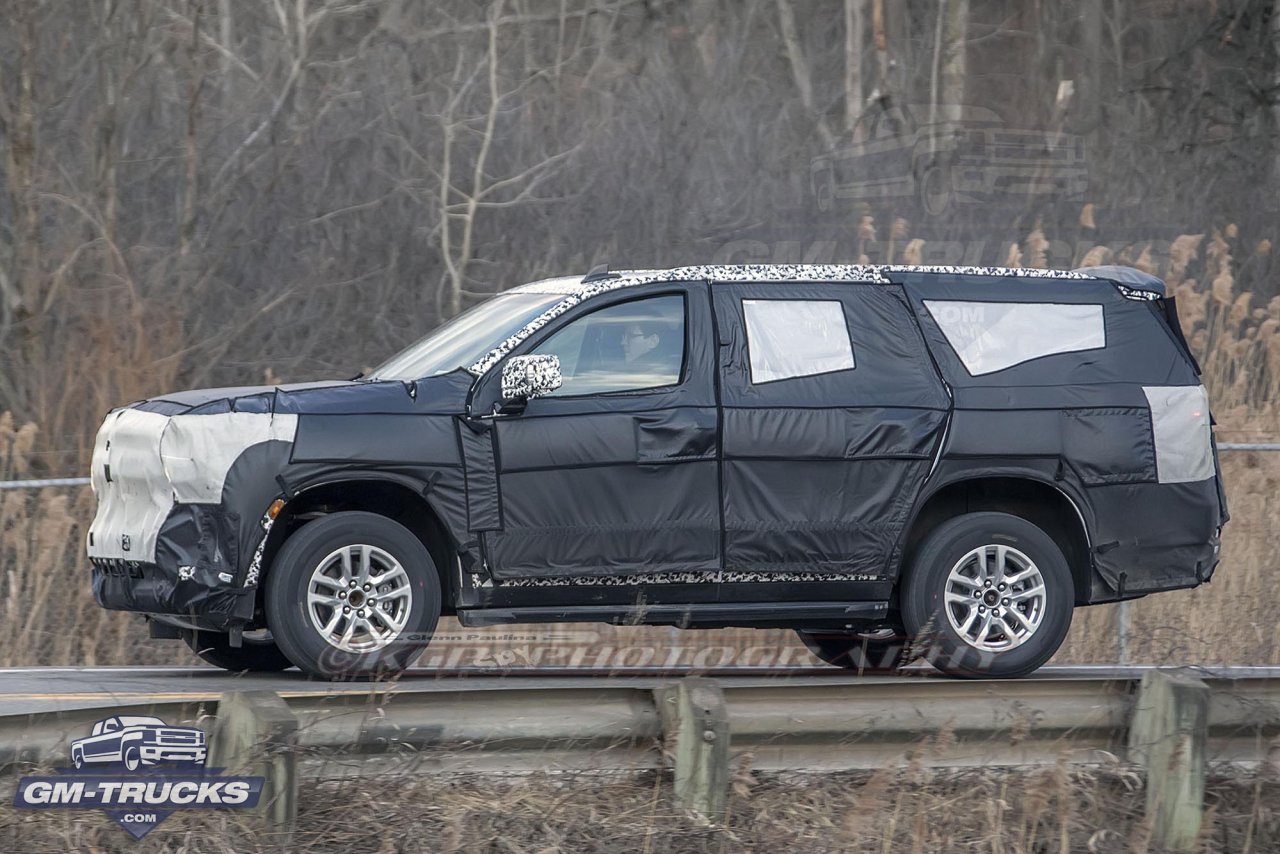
point(293, 491)
point(965, 470)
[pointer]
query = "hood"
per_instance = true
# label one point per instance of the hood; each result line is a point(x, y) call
point(444, 393)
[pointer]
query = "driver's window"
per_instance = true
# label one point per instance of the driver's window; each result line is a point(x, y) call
point(110, 726)
point(626, 347)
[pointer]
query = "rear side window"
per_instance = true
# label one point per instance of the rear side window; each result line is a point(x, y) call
point(992, 336)
point(796, 338)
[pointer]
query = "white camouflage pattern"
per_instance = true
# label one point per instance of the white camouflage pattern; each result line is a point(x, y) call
point(707, 577)
point(525, 377)
point(577, 292)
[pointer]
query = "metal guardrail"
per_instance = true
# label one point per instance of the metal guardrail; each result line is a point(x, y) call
point(613, 724)
point(1170, 724)
point(43, 483)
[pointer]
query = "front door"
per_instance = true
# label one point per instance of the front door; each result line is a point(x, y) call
point(614, 477)
point(832, 412)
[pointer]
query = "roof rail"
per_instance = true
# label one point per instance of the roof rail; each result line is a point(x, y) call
point(599, 273)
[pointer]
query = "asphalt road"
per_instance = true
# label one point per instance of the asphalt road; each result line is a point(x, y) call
point(26, 690)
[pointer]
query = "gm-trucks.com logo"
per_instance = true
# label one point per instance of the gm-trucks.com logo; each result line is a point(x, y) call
point(116, 770)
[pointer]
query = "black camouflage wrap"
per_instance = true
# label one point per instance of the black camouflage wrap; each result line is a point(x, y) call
point(716, 481)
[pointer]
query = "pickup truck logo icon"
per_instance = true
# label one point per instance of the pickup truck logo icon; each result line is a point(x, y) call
point(135, 741)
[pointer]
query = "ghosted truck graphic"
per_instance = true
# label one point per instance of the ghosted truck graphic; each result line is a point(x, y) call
point(939, 164)
point(136, 740)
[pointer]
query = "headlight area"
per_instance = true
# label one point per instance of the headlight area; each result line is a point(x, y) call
point(180, 548)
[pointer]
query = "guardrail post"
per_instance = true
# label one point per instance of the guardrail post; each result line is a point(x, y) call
point(1168, 737)
point(695, 727)
point(255, 735)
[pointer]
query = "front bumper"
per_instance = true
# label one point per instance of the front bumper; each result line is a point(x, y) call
point(195, 574)
point(173, 753)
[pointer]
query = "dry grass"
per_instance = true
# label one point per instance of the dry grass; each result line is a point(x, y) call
point(1017, 812)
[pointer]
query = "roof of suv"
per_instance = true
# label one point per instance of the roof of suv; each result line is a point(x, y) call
point(878, 273)
point(1137, 285)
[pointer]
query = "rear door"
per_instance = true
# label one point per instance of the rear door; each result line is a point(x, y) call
point(832, 411)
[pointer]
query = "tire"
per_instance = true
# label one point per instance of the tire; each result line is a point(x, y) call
point(355, 646)
point(933, 187)
point(822, 178)
point(255, 655)
point(77, 758)
point(960, 556)
point(132, 758)
point(864, 653)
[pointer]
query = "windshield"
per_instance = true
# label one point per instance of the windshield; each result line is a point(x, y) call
point(468, 337)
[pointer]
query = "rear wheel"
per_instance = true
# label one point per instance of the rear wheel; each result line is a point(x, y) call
point(988, 595)
point(866, 652)
point(352, 595)
point(257, 651)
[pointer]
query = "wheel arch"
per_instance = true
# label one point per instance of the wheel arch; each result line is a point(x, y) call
point(1040, 502)
point(398, 499)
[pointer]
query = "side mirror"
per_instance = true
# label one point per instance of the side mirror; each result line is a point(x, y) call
point(527, 377)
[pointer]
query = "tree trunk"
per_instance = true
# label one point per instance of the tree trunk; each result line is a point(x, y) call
point(800, 70)
point(22, 158)
point(853, 39)
point(955, 32)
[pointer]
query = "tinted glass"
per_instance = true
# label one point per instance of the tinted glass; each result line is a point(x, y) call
point(626, 347)
point(468, 337)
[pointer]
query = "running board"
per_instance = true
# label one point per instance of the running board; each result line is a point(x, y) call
point(713, 615)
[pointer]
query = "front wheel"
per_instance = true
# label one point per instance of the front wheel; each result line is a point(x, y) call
point(256, 653)
point(352, 595)
point(988, 595)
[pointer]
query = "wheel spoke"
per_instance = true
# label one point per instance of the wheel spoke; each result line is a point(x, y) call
point(959, 599)
point(1023, 622)
point(969, 621)
point(1002, 557)
point(333, 622)
point(1022, 575)
point(314, 598)
point(346, 564)
point(984, 631)
point(365, 561)
point(389, 620)
point(394, 574)
point(328, 581)
point(350, 632)
point(1029, 593)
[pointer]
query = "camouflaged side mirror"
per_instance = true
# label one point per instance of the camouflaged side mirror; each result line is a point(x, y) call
point(527, 377)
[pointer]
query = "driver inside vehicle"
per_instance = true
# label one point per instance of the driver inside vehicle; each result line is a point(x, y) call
point(632, 346)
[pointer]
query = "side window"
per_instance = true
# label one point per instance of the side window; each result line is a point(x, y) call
point(992, 336)
point(625, 347)
point(796, 338)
